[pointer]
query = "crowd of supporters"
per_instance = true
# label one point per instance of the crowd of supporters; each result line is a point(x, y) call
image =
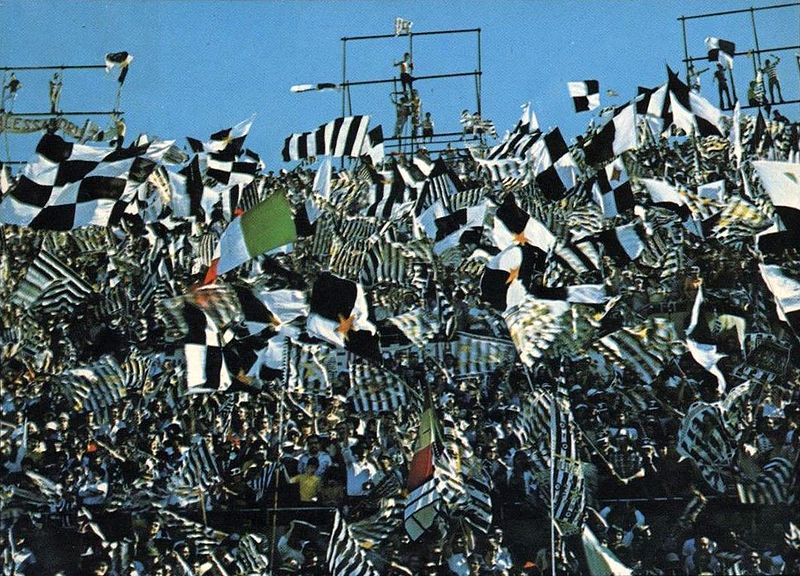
point(151, 480)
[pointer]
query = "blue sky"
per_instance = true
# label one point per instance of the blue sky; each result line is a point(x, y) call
point(202, 66)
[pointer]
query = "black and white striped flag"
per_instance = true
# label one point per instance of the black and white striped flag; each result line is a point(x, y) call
point(388, 195)
point(475, 354)
point(439, 186)
point(703, 439)
point(504, 169)
point(374, 390)
point(377, 527)
point(478, 507)
point(773, 485)
point(52, 285)
point(251, 554)
point(345, 556)
point(345, 136)
point(199, 466)
point(792, 536)
point(387, 262)
point(585, 94)
point(519, 141)
point(305, 371)
point(547, 430)
point(418, 325)
point(644, 349)
point(96, 386)
point(786, 292)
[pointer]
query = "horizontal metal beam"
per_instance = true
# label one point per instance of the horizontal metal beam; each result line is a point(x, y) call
point(746, 53)
point(428, 77)
point(62, 67)
point(57, 114)
point(740, 11)
point(771, 105)
point(431, 33)
point(436, 135)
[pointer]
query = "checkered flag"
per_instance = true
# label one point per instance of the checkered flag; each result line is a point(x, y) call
point(553, 165)
point(612, 189)
point(585, 94)
point(68, 186)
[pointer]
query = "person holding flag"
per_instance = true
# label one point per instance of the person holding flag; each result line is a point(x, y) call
point(722, 86)
point(770, 71)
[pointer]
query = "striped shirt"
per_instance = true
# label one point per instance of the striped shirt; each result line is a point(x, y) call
point(770, 70)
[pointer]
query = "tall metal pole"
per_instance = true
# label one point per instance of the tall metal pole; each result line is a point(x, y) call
point(412, 142)
point(344, 74)
point(552, 480)
point(733, 84)
point(277, 473)
point(478, 77)
point(755, 35)
point(685, 46)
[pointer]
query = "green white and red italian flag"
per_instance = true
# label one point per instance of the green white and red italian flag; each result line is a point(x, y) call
point(266, 226)
point(424, 502)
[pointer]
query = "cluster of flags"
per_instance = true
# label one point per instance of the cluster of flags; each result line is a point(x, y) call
point(300, 283)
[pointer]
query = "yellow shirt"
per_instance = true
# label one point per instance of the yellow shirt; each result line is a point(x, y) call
point(308, 485)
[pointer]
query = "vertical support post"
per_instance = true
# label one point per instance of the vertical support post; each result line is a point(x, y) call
point(345, 88)
point(755, 34)
point(733, 85)
point(478, 77)
point(411, 142)
point(277, 482)
point(553, 569)
point(685, 46)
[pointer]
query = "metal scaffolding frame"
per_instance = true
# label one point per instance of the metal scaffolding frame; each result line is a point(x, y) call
point(755, 53)
point(58, 114)
point(413, 141)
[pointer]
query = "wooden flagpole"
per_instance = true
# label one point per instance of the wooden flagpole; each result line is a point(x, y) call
point(277, 480)
point(552, 479)
point(202, 505)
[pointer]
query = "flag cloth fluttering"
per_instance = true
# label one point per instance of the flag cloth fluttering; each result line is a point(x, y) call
point(206, 365)
point(585, 95)
point(345, 556)
point(553, 165)
point(616, 136)
point(611, 189)
point(345, 136)
point(424, 503)
point(721, 51)
point(120, 59)
point(267, 226)
point(338, 314)
point(68, 186)
point(691, 112)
